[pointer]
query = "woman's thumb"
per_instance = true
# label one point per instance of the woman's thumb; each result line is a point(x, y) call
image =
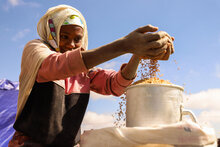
point(145, 29)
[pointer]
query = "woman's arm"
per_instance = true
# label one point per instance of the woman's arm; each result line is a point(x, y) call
point(130, 70)
point(138, 42)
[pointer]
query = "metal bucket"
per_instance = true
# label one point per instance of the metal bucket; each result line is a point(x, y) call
point(154, 104)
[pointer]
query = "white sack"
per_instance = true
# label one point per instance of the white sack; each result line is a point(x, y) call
point(184, 133)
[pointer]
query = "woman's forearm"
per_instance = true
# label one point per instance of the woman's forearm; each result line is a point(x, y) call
point(104, 53)
point(130, 70)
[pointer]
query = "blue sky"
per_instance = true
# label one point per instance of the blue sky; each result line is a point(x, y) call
point(195, 24)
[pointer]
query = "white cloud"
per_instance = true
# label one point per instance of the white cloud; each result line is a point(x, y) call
point(212, 116)
point(14, 3)
point(209, 99)
point(20, 34)
point(93, 120)
point(31, 4)
point(97, 96)
point(218, 70)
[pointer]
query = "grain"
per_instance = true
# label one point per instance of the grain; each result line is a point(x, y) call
point(148, 72)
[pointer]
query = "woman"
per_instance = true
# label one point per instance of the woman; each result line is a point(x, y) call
point(57, 74)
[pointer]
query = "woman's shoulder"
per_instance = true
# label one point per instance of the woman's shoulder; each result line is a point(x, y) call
point(35, 46)
point(36, 42)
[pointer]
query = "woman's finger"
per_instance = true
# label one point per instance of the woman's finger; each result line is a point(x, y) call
point(145, 29)
point(167, 54)
point(156, 52)
point(155, 36)
point(171, 47)
point(159, 43)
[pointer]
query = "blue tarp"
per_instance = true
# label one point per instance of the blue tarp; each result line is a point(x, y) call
point(8, 107)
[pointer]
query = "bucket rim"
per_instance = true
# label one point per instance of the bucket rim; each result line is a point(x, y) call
point(155, 85)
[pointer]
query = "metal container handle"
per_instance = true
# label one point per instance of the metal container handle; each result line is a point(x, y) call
point(190, 114)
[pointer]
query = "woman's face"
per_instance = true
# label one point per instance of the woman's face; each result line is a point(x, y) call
point(70, 37)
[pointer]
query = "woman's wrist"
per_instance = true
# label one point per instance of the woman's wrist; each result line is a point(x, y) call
point(136, 58)
point(124, 45)
point(129, 72)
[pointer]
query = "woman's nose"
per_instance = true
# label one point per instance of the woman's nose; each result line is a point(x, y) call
point(71, 44)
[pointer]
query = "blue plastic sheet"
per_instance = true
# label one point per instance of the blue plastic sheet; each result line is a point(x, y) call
point(8, 108)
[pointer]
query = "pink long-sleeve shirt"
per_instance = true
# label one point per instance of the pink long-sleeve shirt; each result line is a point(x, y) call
point(70, 67)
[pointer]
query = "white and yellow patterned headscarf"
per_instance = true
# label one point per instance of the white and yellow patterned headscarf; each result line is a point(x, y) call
point(49, 25)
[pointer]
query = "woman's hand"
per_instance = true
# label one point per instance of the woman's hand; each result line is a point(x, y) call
point(157, 45)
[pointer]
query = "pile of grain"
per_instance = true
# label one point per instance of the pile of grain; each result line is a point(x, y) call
point(153, 80)
point(149, 72)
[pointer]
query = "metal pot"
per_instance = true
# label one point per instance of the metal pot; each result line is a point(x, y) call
point(154, 104)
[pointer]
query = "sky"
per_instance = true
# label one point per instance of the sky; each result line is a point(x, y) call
point(195, 65)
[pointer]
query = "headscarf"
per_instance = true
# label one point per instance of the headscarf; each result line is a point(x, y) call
point(35, 53)
point(49, 25)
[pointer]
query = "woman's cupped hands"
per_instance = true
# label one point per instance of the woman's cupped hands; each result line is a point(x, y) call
point(147, 43)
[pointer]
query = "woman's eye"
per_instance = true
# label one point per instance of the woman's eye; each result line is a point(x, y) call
point(63, 36)
point(77, 39)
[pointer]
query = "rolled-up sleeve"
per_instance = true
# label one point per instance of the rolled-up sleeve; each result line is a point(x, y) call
point(108, 82)
point(60, 66)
